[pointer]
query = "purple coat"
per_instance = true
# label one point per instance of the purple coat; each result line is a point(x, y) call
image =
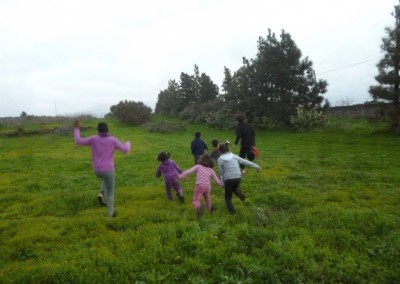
point(170, 170)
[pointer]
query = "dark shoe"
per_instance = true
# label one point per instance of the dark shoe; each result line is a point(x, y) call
point(181, 198)
point(100, 200)
point(212, 209)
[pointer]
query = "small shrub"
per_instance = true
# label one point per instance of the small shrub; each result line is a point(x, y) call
point(308, 119)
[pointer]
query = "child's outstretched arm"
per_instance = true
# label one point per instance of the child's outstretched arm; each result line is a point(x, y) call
point(217, 180)
point(248, 163)
point(188, 172)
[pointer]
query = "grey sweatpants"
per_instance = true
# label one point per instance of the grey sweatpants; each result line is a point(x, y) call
point(107, 189)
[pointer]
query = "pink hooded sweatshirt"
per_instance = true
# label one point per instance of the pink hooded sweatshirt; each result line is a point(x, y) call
point(103, 147)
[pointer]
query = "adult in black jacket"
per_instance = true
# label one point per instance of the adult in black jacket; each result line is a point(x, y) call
point(247, 137)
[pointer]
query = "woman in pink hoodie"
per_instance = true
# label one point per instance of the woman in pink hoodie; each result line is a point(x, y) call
point(205, 173)
point(103, 146)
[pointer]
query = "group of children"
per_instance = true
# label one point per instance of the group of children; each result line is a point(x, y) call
point(229, 168)
point(103, 146)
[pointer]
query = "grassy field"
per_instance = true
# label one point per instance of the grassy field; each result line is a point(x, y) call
point(323, 209)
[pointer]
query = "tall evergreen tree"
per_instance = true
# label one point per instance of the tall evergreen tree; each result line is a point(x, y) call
point(167, 99)
point(227, 81)
point(388, 77)
point(208, 91)
point(282, 80)
point(188, 91)
point(276, 82)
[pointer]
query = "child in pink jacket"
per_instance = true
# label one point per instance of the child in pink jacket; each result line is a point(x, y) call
point(205, 173)
point(103, 146)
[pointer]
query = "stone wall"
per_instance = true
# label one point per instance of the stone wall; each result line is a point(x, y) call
point(372, 111)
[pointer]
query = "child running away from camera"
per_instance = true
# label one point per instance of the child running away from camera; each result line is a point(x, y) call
point(103, 146)
point(205, 173)
point(229, 169)
point(170, 170)
point(198, 147)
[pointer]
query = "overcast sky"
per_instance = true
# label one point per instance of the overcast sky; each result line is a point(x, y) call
point(82, 56)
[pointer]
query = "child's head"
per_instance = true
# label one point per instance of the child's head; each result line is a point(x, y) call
point(163, 156)
point(206, 161)
point(224, 148)
point(197, 134)
point(215, 143)
point(102, 127)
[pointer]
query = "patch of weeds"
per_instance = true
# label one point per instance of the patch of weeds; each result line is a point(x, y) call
point(165, 127)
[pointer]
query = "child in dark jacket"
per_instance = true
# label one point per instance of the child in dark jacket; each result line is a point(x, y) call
point(171, 171)
point(198, 147)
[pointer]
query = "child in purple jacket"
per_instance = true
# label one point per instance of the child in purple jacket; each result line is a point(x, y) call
point(170, 170)
point(103, 146)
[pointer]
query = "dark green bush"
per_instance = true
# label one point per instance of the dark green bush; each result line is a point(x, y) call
point(130, 112)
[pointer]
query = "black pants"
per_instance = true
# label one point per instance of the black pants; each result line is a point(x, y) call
point(232, 186)
point(246, 151)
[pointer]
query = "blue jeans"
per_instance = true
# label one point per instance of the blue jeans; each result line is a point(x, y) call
point(107, 188)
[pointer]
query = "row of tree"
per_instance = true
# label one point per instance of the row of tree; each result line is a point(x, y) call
point(271, 87)
point(274, 88)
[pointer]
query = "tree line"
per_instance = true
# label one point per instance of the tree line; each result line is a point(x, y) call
point(269, 89)
point(277, 88)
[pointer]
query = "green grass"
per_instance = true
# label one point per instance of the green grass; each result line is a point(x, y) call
point(324, 208)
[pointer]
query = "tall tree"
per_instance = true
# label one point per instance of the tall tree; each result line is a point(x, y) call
point(207, 89)
point(188, 91)
point(282, 80)
point(388, 77)
point(167, 99)
point(227, 81)
point(276, 82)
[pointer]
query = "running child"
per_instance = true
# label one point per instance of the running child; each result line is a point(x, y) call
point(229, 169)
point(205, 173)
point(103, 146)
point(170, 170)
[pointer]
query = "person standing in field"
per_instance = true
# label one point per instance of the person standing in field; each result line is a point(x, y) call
point(171, 171)
point(205, 173)
point(247, 137)
point(103, 146)
point(229, 169)
point(198, 147)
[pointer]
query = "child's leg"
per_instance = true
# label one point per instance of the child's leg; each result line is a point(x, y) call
point(102, 193)
point(230, 186)
point(108, 181)
point(179, 191)
point(102, 188)
point(207, 195)
point(196, 197)
point(178, 188)
point(168, 190)
point(238, 192)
